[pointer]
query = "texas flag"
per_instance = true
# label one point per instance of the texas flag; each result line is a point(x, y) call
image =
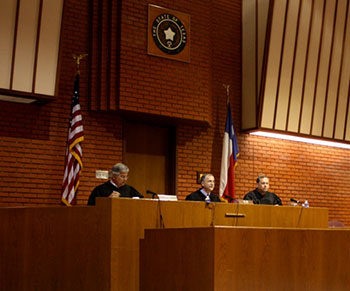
point(229, 157)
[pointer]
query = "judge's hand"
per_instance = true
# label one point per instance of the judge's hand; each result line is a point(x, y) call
point(115, 194)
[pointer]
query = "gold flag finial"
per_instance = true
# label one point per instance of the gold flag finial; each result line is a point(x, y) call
point(227, 87)
point(77, 59)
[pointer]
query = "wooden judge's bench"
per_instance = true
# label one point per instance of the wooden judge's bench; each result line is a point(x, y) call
point(98, 247)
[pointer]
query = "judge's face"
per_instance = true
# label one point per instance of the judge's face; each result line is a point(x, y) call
point(120, 179)
point(208, 183)
point(263, 186)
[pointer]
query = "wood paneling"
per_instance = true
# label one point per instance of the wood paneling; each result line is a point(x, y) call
point(7, 29)
point(312, 67)
point(129, 218)
point(148, 154)
point(30, 37)
point(305, 73)
point(343, 82)
point(300, 55)
point(224, 258)
point(48, 48)
point(97, 247)
point(23, 66)
point(249, 50)
point(286, 67)
point(54, 248)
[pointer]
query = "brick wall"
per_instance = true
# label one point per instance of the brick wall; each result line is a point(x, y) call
point(161, 86)
point(32, 138)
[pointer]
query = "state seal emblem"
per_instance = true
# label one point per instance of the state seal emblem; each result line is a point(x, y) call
point(168, 33)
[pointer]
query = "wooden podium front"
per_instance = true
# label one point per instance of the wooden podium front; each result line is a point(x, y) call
point(245, 258)
point(97, 247)
point(129, 218)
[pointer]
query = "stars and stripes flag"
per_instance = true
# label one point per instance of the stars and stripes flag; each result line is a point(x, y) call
point(230, 153)
point(73, 162)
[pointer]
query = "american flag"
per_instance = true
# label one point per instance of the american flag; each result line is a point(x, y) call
point(73, 162)
point(229, 159)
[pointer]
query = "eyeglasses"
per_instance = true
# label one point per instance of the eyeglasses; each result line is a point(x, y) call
point(123, 176)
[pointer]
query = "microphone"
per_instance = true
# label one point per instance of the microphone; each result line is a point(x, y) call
point(153, 194)
point(230, 199)
point(161, 221)
point(294, 200)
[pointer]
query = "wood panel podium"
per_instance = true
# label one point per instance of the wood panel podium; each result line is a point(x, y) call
point(97, 247)
point(129, 219)
point(245, 258)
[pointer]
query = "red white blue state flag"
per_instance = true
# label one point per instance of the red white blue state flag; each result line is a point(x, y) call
point(230, 153)
point(74, 154)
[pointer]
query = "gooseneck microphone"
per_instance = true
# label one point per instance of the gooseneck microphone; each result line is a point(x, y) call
point(161, 221)
point(153, 193)
point(230, 199)
point(294, 200)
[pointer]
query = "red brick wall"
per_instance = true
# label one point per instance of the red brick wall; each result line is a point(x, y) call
point(162, 86)
point(32, 138)
point(299, 170)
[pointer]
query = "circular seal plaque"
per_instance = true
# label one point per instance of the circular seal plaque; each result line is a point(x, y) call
point(169, 34)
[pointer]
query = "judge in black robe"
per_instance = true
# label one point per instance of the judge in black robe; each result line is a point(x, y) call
point(106, 189)
point(199, 196)
point(261, 195)
point(268, 198)
point(116, 186)
point(205, 193)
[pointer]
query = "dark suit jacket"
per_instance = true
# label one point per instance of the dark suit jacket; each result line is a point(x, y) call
point(198, 196)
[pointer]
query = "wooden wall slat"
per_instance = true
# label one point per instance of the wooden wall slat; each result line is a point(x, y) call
point(48, 47)
point(334, 69)
point(14, 43)
point(262, 23)
point(272, 69)
point(25, 45)
point(288, 64)
point(249, 59)
point(318, 68)
point(8, 11)
point(299, 68)
point(347, 119)
point(323, 72)
point(37, 44)
point(306, 64)
point(311, 67)
point(344, 75)
point(281, 63)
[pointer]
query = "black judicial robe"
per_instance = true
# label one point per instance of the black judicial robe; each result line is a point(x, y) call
point(107, 188)
point(198, 196)
point(258, 198)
